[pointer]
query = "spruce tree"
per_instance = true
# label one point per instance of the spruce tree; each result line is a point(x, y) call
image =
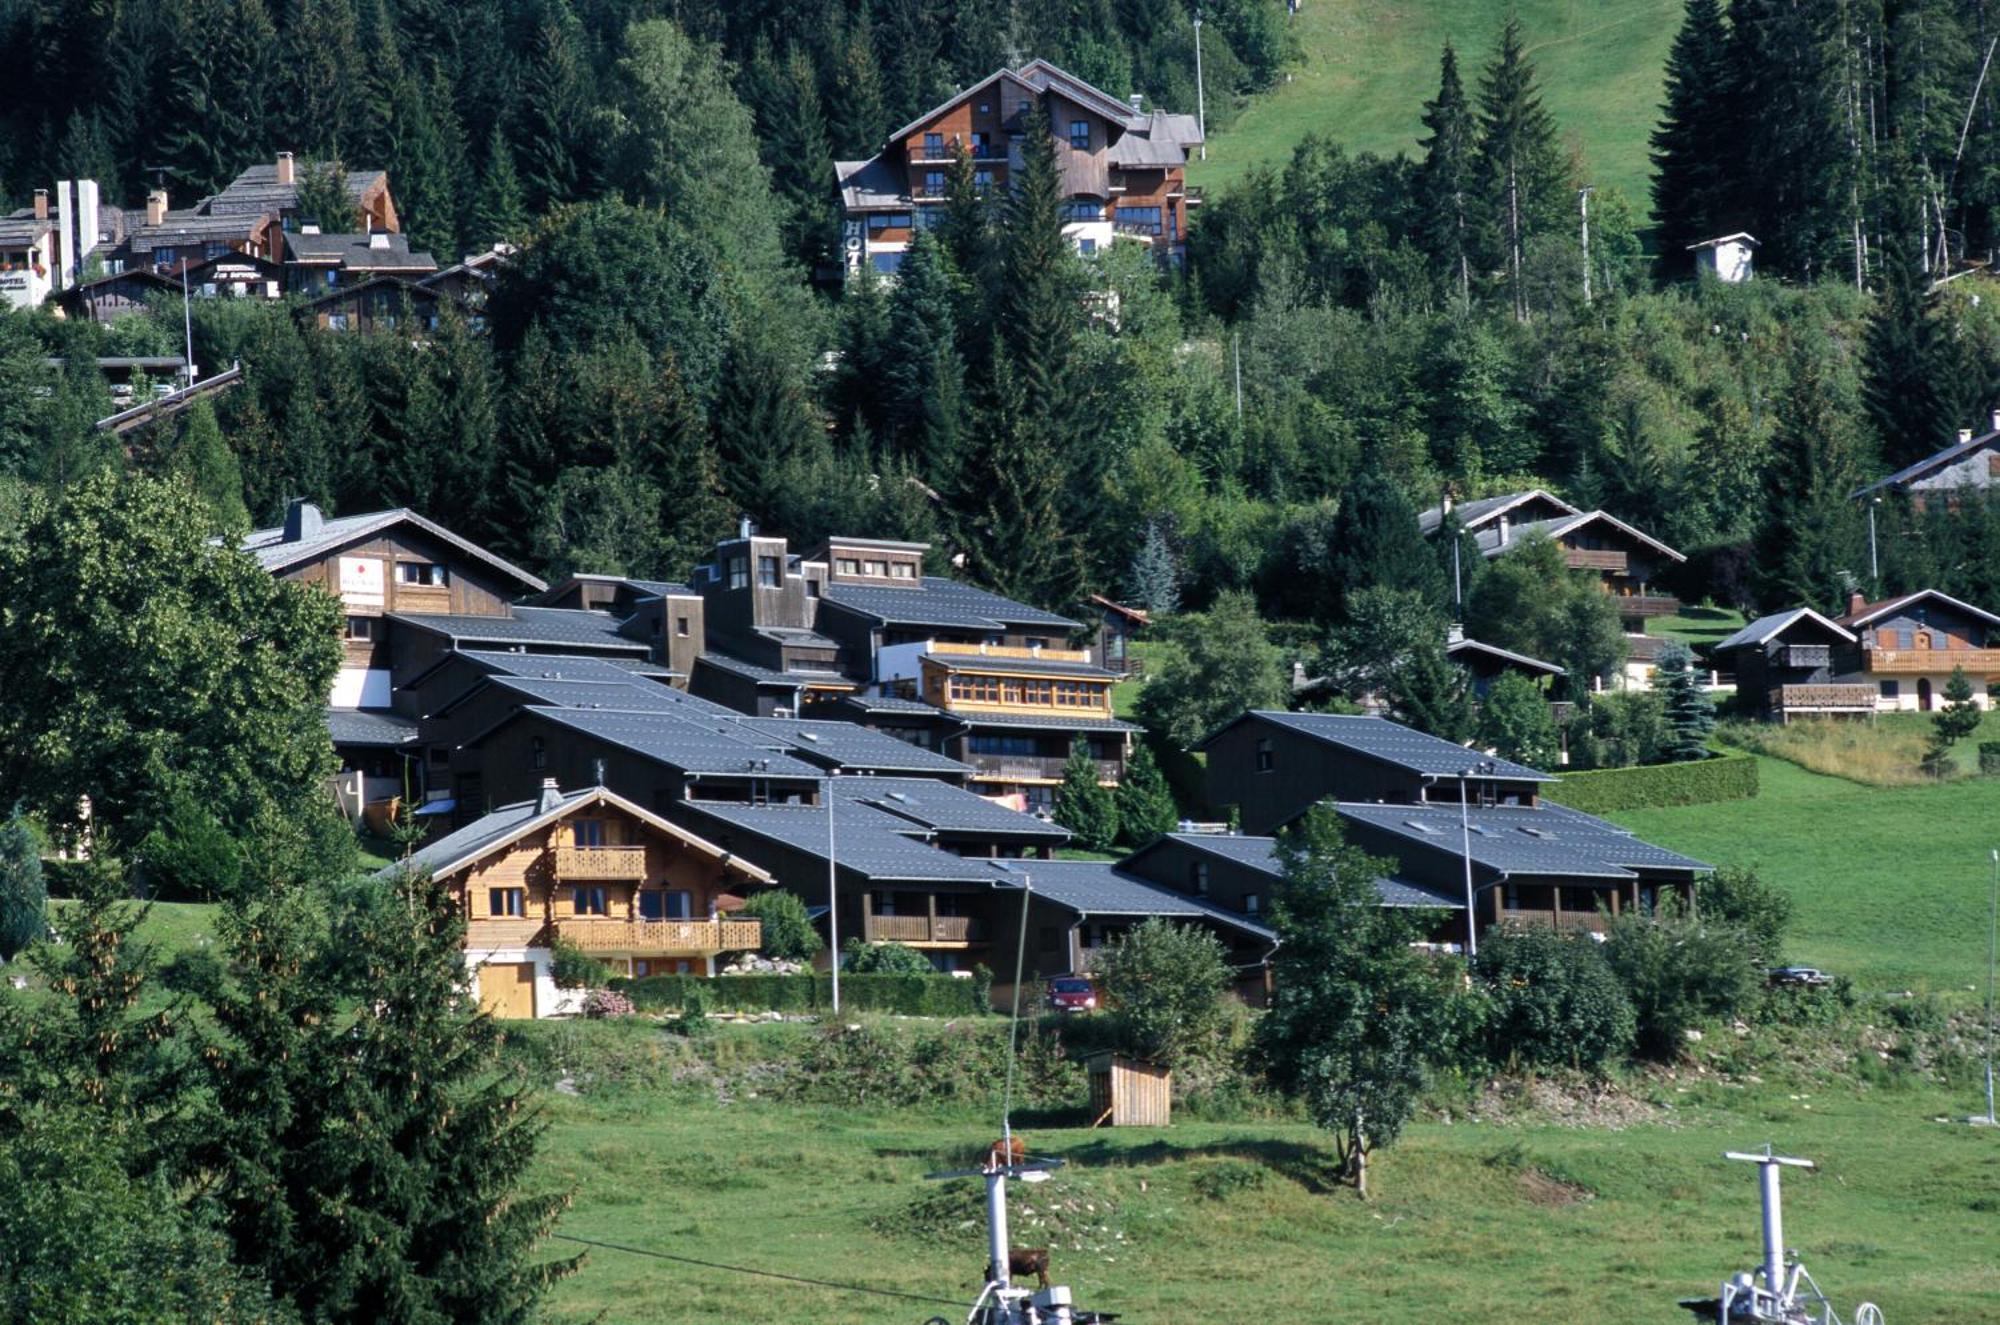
point(967, 232)
point(794, 140)
point(1693, 152)
point(1377, 544)
point(924, 380)
point(554, 115)
point(1690, 712)
point(1153, 580)
point(499, 211)
point(1810, 548)
point(210, 467)
point(1920, 376)
point(762, 416)
point(1444, 185)
point(1083, 806)
point(1011, 498)
point(1522, 175)
point(1146, 808)
point(23, 896)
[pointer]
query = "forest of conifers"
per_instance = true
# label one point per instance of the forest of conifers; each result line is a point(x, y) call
point(659, 357)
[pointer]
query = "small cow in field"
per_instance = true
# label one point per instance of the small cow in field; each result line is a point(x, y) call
point(1007, 1150)
point(1024, 1261)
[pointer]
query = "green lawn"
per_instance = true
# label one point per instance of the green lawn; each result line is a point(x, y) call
point(1368, 66)
point(1697, 625)
point(1891, 884)
point(1477, 1222)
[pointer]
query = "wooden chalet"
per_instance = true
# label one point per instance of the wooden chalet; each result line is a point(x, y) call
point(120, 294)
point(1124, 168)
point(592, 869)
point(1789, 665)
point(1968, 468)
point(381, 303)
point(1118, 626)
point(316, 262)
point(273, 190)
point(1907, 648)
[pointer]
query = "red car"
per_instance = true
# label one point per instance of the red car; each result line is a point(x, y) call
point(1072, 993)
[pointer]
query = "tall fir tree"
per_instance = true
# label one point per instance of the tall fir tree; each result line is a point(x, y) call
point(1377, 543)
point(1692, 152)
point(1010, 499)
point(1921, 378)
point(1690, 712)
point(1083, 805)
point(924, 381)
point(1809, 550)
point(554, 120)
point(762, 417)
point(1146, 809)
point(499, 211)
point(1153, 580)
point(1444, 184)
point(1522, 174)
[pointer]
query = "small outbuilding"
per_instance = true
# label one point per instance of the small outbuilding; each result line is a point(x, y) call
point(1128, 1092)
point(1726, 258)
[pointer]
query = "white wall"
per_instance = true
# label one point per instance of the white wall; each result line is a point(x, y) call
point(1907, 701)
point(549, 1000)
point(360, 688)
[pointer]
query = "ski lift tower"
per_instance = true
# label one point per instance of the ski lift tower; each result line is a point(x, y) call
point(1787, 1294)
point(1001, 1302)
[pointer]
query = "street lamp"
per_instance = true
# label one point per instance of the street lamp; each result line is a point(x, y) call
point(1874, 565)
point(1200, 97)
point(832, 901)
point(1992, 958)
point(1465, 850)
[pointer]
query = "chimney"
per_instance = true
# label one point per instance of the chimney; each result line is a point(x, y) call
point(41, 204)
point(1996, 420)
point(378, 239)
point(1855, 602)
point(1138, 103)
point(1965, 434)
point(286, 175)
point(551, 796)
point(156, 207)
point(744, 528)
point(1454, 633)
point(302, 520)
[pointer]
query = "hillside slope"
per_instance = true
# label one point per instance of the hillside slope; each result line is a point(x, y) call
point(1369, 65)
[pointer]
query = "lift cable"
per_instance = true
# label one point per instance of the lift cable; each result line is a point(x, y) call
point(764, 1274)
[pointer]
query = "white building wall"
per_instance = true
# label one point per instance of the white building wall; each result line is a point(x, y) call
point(550, 1001)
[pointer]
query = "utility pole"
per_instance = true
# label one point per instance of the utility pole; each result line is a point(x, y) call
point(1200, 97)
point(1992, 958)
point(1583, 206)
point(1874, 564)
point(1465, 849)
point(1236, 342)
point(833, 901)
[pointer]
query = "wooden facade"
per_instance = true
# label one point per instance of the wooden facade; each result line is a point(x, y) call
point(1129, 1092)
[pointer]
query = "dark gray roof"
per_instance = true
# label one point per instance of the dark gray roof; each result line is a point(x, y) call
point(21, 230)
point(257, 190)
point(182, 227)
point(1393, 743)
point(1052, 722)
point(946, 809)
point(567, 666)
point(380, 251)
point(871, 185)
point(1524, 840)
point(1767, 628)
point(1471, 514)
point(1505, 655)
point(938, 601)
point(770, 676)
point(274, 554)
point(1100, 888)
point(555, 626)
point(1933, 462)
point(891, 704)
point(981, 662)
point(636, 694)
point(797, 637)
point(366, 727)
point(848, 745)
point(1261, 854)
point(1491, 545)
point(867, 841)
point(706, 745)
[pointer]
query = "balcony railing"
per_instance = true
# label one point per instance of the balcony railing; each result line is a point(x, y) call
point(640, 936)
point(923, 929)
point(1583, 558)
point(1645, 604)
point(946, 649)
point(1931, 661)
point(1824, 698)
point(1804, 656)
point(1033, 768)
point(622, 864)
point(1581, 922)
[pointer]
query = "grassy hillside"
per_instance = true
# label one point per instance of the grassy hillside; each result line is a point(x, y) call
point(1369, 65)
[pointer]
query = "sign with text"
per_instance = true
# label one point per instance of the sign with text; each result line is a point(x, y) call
point(361, 581)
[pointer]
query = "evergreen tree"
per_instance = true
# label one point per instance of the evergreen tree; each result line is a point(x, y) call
point(1377, 543)
point(1444, 185)
point(1515, 722)
point(1921, 378)
point(85, 151)
point(23, 896)
point(1690, 712)
point(1146, 808)
point(762, 417)
point(499, 211)
point(1428, 692)
point(210, 468)
point(794, 134)
point(1957, 719)
point(1154, 578)
point(1011, 500)
point(857, 118)
point(924, 380)
point(1087, 809)
point(1809, 550)
point(555, 121)
point(967, 231)
point(318, 103)
point(1693, 147)
point(421, 165)
point(1522, 175)
point(693, 511)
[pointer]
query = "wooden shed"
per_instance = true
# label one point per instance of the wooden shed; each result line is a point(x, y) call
point(1129, 1092)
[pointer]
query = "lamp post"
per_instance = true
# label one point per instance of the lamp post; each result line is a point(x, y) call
point(1874, 565)
point(1465, 850)
point(1200, 96)
point(832, 900)
point(1992, 958)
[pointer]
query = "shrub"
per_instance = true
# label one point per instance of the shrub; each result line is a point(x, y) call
point(1602, 791)
point(789, 934)
point(863, 958)
point(1553, 1000)
point(600, 1004)
point(23, 896)
point(190, 856)
point(928, 995)
point(693, 1019)
point(1678, 971)
point(1989, 758)
point(1165, 984)
point(1739, 897)
point(1084, 807)
point(573, 968)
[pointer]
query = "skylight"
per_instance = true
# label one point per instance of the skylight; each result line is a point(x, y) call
point(1430, 830)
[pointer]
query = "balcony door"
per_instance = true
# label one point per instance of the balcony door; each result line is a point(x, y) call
point(666, 904)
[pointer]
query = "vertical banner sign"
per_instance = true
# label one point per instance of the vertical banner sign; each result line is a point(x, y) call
point(361, 581)
point(853, 245)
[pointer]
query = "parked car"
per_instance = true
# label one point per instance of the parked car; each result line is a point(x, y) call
point(1810, 977)
point(1073, 993)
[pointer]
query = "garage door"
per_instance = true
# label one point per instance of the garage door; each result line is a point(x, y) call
point(507, 989)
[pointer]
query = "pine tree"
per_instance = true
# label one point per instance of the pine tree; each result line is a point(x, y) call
point(422, 168)
point(1809, 550)
point(1692, 145)
point(1428, 691)
point(1011, 492)
point(857, 118)
point(1153, 580)
point(24, 897)
point(499, 212)
point(693, 511)
point(761, 417)
point(1377, 544)
point(794, 138)
point(1920, 377)
point(1523, 178)
point(1958, 719)
point(1444, 186)
point(924, 381)
point(1087, 809)
point(211, 470)
point(85, 152)
point(554, 112)
point(1690, 712)
point(967, 231)
point(1146, 808)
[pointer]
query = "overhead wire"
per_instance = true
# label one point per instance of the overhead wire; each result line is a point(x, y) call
point(762, 1274)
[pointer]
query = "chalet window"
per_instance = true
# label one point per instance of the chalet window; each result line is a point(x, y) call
point(1266, 759)
point(1250, 903)
point(982, 180)
point(812, 588)
point(739, 572)
point(361, 627)
point(681, 626)
point(427, 573)
point(663, 904)
point(768, 576)
point(538, 754)
point(1087, 247)
point(884, 903)
point(902, 570)
point(1145, 220)
point(1891, 689)
point(1036, 642)
point(1198, 877)
point(933, 144)
point(875, 568)
point(589, 832)
point(506, 902)
point(1082, 211)
point(847, 566)
point(934, 183)
point(980, 143)
point(589, 901)
point(889, 221)
point(1079, 135)
point(1906, 639)
point(985, 108)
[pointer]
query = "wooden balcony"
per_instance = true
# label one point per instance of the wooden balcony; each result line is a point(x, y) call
point(950, 650)
point(1033, 768)
point(1822, 698)
point(1806, 657)
point(1931, 662)
point(664, 936)
point(1584, 558)
point(622, 864)
point(505, 932)
point(1645, 604)
point(1570, 922)
point(926, 929)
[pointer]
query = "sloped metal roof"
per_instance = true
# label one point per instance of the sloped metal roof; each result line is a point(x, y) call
point(365, 727)
point(982, 662)
point(1393, 743)
point(850, 745)
point(275, 554)
point(555, 626)
point(940, 601)
point(946, 809)
point(673, 740)
point(1767, 628)
point(567, 666)
point(1530, 840)
point(1472, 514)
point(1100, 888)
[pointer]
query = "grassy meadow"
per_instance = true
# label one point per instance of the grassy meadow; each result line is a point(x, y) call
point(1367, 66)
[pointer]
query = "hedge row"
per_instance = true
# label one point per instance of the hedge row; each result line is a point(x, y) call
point(1730, 777)
point(911, 995)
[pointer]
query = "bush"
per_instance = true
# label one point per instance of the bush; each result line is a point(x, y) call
point(862, 958)
point(190, 856)
point(1165, 985)
point(600, 1004)
point(789, 934)
point(1731, 777)
point(693, 1019)
point(1678, 971)
point(1553, 1000)
point(1989, 758)
point(927, 995)
point(1739, 897)
point(573, 968)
